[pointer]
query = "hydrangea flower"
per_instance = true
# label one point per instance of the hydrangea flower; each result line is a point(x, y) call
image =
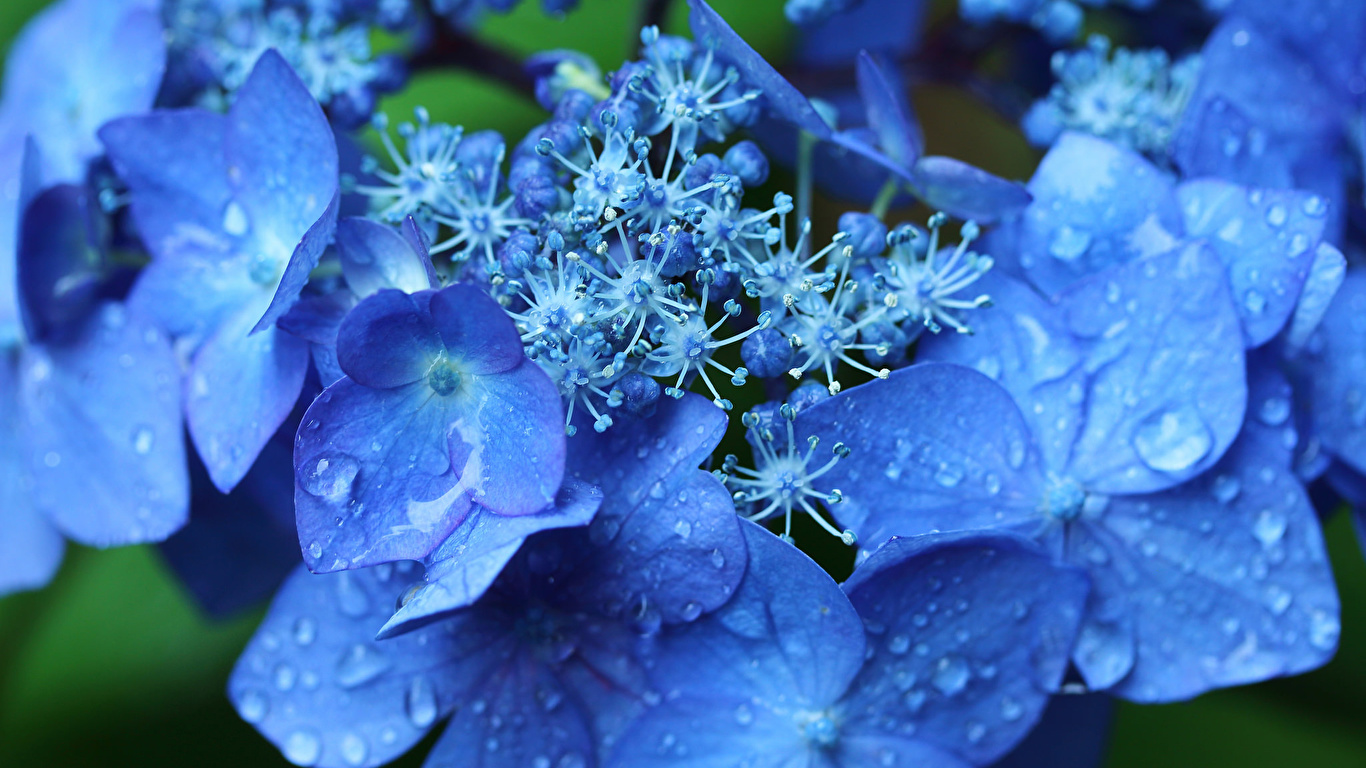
point(547, 664)
point(236, 210)
point(1101, 426)
point(927, 657)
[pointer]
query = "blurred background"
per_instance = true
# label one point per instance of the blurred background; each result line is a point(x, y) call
point(114, 664)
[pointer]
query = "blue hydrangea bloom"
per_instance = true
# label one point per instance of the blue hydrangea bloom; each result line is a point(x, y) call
point(1097, 204)
point(1106, 436)
point(941, 650)
point(236, 210)
point(549, 662)
point(439, 411)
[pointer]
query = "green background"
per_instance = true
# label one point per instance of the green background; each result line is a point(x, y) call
point(113, 664)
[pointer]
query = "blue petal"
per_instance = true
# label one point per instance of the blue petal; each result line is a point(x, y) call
point(300, 265)
point(239, 390)
point(105, 57)
point(1335, 373)
point(1096, 204)
point(889, 27)
point(317, 319)
point(966, 191)
point(1257, 111)
point(103, 431)
point(374, 256)
point(280, 154)
point(476, 329)
point(1220, 581)
point(548, 723)
point(1023, 343)
point(470, 559)
point(31, 548)
point(712, 31)
point(14, 156)
point(1267, 240)
point(741, 679)
point(1326, 33)
point(172, 162)
point(1326, 274)
point(314, 682)
point(387, 340)
point(958, 454)
point(59, 270)
point(377, 461)
point(511, 430)
point(969, 633)
point(671, 530)
point(889, 114)
point(1166, 385)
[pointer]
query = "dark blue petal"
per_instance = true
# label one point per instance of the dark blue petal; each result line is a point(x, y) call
point(238, 547)
point(1327, 33)
point(1220, 581)
point(476, 330)
point(317, 319)
point(966, 191)
point(31, 548)
point(671, 530)
point(1074, 732)
point(374, 481)
point(103, 431)
point(1096, 204)
point(969, 633)
point(888, 27)
point(471, 558)
point(1022, 341)
point(59, 269)
point(957, 455)
point(742, 680)
point(1166, 387)
point(712, 31)
point(239, 390)
point(1267, 240)
point(388, 340)
point(522, 716)
point(374, 256)
point(314, 682)
point(889, 114)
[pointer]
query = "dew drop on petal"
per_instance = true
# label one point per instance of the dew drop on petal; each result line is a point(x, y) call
point(1172, 441)
point(302, 748)
point(420, 702)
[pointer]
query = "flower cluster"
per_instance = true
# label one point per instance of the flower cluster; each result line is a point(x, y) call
point(1068, 427)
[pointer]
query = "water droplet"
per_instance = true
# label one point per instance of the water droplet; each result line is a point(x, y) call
point(143, 438)
point(1254, 302)
point(285, 677)
point(1172, 441)
point(1278, 599)
point(305, 631)
point(350, 598)
point(718, 559)
point(1269, 527)
point(1069, 244)
point(1276, 215)
point(899, 644)
point(976, 732)
point(1274, 411)
point(353, 749)
point(253, 706)
point(1225, 488)
point(743, 715)
point(914, 700)
point(360, 665)
point(950, 675)
point(234, 220)
point(51, 459)
point(420, 702)
point(302, 748)
point(948, 476)
point(683, 528)
point(691, 611)
point(331, 477)
point(1315, 206)
point(1011, 710)
point(1324, 630)
point(315, 550)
